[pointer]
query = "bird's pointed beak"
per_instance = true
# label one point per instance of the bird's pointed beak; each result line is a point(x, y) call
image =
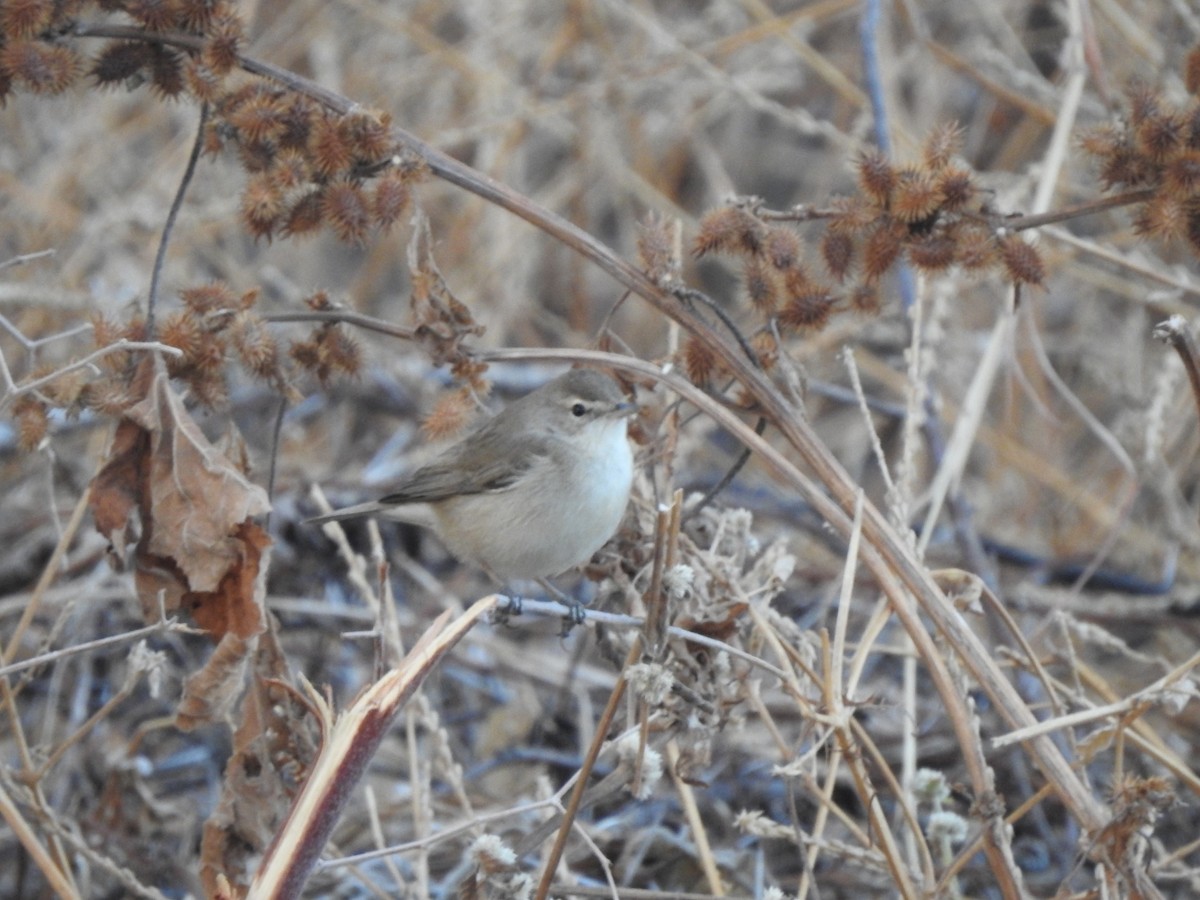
point(624, 409)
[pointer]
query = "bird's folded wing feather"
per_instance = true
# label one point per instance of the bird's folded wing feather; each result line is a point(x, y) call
point(473, 467)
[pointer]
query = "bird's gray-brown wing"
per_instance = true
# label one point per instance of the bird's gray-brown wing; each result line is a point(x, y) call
point(486, 462)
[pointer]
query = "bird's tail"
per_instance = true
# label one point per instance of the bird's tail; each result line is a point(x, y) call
point(370, 508)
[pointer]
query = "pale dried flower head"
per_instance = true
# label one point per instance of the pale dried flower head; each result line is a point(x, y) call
point(492, 854)
point(651, 682)
point(1175, 697)
point(678, 581)
point(151, 663)
point(930, 786)
point(755, 823)
point(948, 826)
point(628, 749)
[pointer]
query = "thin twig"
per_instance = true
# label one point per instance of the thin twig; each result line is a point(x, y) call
point(1135, 703)
point(25, 258)
point(49, 572)
point(349, 317)
point(627, 893)
point(731, 473)
point(1176, 332)
point(99, 644)
point(98, 353)
point(444, 833)
point(31, 345)
point(868, 27)
point(1076, 211)
point(511, 605)
point(169, 225)
point(276, 431)
point(38, 854)
point(121, 695)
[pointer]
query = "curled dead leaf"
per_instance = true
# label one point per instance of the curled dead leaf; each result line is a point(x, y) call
point(196, 545)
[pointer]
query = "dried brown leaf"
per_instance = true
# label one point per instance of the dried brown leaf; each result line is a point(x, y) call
point(193, 505)
point(273, 747)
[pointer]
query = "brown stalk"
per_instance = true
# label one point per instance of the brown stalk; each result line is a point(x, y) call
point(851, 754)
point(585, 773)
point(349, 744)
point(1087, 208)
point(348, 317)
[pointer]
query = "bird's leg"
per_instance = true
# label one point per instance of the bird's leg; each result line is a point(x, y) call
point(575, 612)
point(575, 616)
point(514, 601)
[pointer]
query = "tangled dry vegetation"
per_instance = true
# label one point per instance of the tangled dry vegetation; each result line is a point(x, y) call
point(905, 601)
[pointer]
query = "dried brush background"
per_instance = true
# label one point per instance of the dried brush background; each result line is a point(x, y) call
point(935, 638)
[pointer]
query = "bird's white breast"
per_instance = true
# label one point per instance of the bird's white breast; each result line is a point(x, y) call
point(555, 518)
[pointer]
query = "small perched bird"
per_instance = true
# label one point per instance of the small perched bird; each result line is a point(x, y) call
point(532, 491)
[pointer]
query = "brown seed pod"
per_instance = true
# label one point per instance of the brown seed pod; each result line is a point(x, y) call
point(729, 229)
point(1161, 136)
point(1021, 260)
point(881, 248)
point(331, 154)
point(346, 211)
point(915, 196)
point(21, 19)
point(876, 176)
point(932, 252)
point(782, 247)
point(1164, 217)
point(809, 311)
point(837, 249)
point(43, 68)
point(390, 199)
point(1191, 71)
point(762, 288)
point(941, 145)
point(957, 187)
point(699, 362)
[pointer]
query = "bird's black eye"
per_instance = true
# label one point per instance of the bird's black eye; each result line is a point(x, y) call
point(578, 410)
